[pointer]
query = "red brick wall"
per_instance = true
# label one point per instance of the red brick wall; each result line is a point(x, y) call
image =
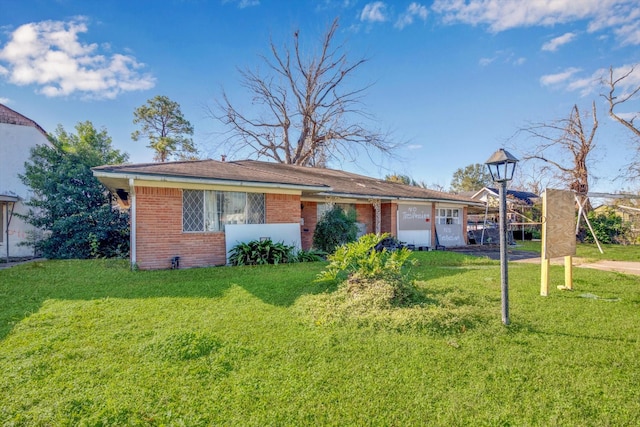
point(159, 229)
point(366, 215)
point(160, 237)
point(310, 217)
point(389, 218)
point(282, 208)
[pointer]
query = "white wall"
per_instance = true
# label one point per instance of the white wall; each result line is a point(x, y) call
point(16, 142)
point(289, 234)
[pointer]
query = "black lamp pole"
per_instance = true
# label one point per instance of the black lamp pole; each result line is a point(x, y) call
point(501, 165)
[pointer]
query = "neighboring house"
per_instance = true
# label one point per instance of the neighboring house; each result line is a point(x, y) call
point(199, 210)
point(521, 215)
point(18, 135)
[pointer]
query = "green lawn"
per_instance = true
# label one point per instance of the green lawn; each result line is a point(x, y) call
point(92, 343)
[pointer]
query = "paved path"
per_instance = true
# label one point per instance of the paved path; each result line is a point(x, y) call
point(626, 267)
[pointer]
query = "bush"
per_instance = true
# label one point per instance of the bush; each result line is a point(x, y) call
point(608, 227)
point(310, 256)
point(335, 228)
point(363, 259)
point(258, 252)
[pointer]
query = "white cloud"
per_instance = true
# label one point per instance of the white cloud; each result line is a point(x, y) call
point(4, 100)
point(243, 3)
point(553, 44)
point(622, 16)
point(415, 10)
point(559, 78)
point(486, 61)
point(571, 80)
point(50, 55)
point(520, 61)
point(374, 12)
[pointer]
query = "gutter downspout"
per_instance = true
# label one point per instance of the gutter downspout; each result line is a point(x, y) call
point(132, 226)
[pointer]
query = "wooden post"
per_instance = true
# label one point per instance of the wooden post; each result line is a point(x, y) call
point(568, 272)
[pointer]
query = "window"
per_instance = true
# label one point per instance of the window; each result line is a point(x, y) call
point(448, 216)
point(211, 210)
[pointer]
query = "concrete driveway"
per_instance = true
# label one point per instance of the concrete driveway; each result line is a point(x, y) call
point(493, 252)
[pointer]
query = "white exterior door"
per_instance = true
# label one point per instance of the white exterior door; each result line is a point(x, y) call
point(414, 224)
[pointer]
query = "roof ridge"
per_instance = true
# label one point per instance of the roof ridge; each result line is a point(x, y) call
point(32, 123)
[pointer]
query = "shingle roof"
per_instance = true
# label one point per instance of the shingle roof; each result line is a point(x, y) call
point(336, 182)
point(9, 116)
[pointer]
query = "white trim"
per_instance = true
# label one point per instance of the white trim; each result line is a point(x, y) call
point(132, 226)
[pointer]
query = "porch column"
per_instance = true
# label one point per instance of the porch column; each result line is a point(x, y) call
point(378, 218)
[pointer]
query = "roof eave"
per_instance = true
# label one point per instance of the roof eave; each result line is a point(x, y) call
point(206, 181)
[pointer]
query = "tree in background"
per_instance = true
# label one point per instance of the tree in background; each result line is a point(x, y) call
point(471, 178)
point(625, 81)
point(169, 133)
point(404, 179)
point(308, 113)
point(565, 149)
point(69, 203)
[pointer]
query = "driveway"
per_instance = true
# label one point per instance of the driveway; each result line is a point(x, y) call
point(626, 267)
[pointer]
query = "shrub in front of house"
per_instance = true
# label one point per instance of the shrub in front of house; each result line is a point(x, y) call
point(335, 228)
point(258, 252)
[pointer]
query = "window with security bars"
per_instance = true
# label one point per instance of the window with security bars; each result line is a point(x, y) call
point(447, 216)
point(206, 210)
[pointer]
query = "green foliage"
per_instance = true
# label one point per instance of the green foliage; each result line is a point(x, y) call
point(94, 343)
point(168, 132)
point(360, 258)
point(69, 203)
point(184, 346)
point(471, 178)
point(335, 228)
point(311, 255)
point(259, 252)
point(608, 227)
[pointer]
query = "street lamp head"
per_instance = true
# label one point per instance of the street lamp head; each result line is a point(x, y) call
point(501, 165)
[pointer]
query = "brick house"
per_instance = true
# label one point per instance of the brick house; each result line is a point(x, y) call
point(199, 210)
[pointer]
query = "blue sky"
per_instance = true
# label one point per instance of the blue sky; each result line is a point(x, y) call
point(453, 79)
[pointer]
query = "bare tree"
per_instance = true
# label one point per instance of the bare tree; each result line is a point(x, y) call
point(615, 84)
point(309, 114)
point(564, 148)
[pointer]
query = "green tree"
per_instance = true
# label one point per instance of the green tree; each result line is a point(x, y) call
point(169, 133)
point(471, 178)
point(68, 202)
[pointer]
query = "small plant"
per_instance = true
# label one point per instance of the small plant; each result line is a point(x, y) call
point(335, 228)
point(311, 255)
point(258, 252)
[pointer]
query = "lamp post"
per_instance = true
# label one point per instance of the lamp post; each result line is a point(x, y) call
point(501, 166)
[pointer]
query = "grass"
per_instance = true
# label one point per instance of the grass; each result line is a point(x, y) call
point(591, 251)
point(92, 343)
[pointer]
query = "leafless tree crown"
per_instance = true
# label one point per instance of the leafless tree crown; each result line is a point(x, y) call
point(306, 112)
point(565, 146)
point(616, 97)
